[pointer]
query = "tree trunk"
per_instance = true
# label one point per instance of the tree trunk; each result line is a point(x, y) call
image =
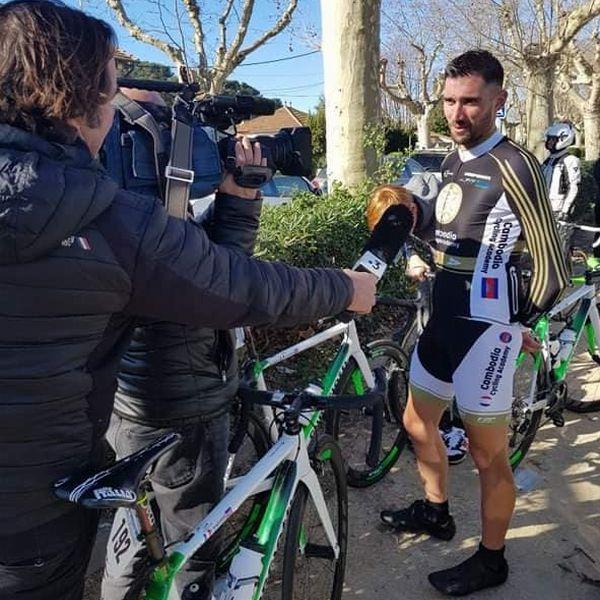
point(591, 128)
point(423, 133)
point(350, 49)
point(539, 105)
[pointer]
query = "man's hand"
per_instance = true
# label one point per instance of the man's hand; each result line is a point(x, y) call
point(417, 269)
point(530, 343)
point(246, 153)
point(365, 286)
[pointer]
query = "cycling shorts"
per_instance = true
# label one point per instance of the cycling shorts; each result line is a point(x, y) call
point(471, 360)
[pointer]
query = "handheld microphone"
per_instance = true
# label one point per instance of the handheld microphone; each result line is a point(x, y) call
point(386, 241)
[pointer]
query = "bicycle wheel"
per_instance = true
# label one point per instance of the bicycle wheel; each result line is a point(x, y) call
point(244, 523)
point(371, 440)
point(529, 379)
point(581, 404)
point(309, 566)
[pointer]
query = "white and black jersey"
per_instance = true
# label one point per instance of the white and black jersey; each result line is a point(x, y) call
point(562, 175)
point(491, 206)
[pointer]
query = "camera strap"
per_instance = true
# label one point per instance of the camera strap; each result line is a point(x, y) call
point(137, 115)
point(179, 173)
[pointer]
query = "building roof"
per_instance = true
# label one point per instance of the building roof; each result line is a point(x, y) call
point(286, 116)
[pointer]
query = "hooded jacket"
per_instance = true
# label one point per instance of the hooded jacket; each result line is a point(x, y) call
point(79, 261)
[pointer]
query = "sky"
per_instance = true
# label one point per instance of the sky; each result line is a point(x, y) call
point(297, 81)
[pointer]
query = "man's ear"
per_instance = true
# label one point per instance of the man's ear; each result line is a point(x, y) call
point(501, 99)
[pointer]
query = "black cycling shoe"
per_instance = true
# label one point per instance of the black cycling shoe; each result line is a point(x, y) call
point(421, 518)
point(470, 576)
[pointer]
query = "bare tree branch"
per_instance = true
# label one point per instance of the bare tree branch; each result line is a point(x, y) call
point(173, 52)
point(279, 26)
point(571, 23)
point(222, 49)
point(401, 93)
point(193, 12)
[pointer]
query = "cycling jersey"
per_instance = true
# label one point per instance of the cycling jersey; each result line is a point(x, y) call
point(562, 174)
point(492, 204)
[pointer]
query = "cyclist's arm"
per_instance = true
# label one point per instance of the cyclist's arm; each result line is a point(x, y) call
point(573, 167)
point(526, 194)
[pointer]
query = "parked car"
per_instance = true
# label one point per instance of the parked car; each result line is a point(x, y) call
point(278, 190)
point(423, 161)
point(282, 187)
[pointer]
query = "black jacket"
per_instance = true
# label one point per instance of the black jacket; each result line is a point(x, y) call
point(173, 371)
point(79, 260)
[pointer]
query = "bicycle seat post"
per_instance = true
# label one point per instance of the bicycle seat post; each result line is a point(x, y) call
point(148, 529)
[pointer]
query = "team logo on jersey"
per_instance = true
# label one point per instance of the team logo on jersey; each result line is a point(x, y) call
point(505, 337)
point(489, 288)
point(448, 203)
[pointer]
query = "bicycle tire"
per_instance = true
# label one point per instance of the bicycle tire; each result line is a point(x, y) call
point(525, 426)
point(306, 550)
point(584, 406)
point(354, 430)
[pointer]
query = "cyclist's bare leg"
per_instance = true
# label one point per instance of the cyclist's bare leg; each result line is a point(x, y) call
point(421, 420)
point(488, 447)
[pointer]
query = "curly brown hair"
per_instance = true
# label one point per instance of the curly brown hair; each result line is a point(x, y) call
point(53, 67)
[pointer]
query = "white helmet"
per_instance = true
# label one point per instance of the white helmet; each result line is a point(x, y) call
point(559, 136)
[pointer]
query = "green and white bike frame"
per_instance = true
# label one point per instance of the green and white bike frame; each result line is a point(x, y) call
point(280, 470)
point(585, 320)
point(350, 348)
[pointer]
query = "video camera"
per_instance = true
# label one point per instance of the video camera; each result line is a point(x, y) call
point(204, 128)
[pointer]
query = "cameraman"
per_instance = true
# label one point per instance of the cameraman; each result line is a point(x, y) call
point(79, 261)
point(178, 378)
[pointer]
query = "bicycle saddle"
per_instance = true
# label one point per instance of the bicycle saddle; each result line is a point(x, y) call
point(117, 485)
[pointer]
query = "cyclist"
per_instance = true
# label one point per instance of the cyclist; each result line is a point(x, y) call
point(80, 260)
point(561, 170)
point(491, 202)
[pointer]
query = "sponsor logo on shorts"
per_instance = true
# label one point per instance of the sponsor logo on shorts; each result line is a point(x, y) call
point(489, 288)
point(492, 376)
point(505, 337)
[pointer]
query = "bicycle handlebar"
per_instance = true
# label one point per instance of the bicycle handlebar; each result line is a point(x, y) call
point(297, 402)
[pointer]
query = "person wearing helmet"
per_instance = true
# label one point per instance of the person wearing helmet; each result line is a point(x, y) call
point(562, 171)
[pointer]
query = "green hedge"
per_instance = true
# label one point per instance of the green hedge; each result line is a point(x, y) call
point(321, 231)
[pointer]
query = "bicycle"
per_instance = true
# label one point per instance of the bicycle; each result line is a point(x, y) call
point(580, 261)
point(371, 441)
point(540, 388)
point(291, 475)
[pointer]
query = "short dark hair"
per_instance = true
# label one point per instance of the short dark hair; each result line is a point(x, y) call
point(480, 62)
point(53, 67)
